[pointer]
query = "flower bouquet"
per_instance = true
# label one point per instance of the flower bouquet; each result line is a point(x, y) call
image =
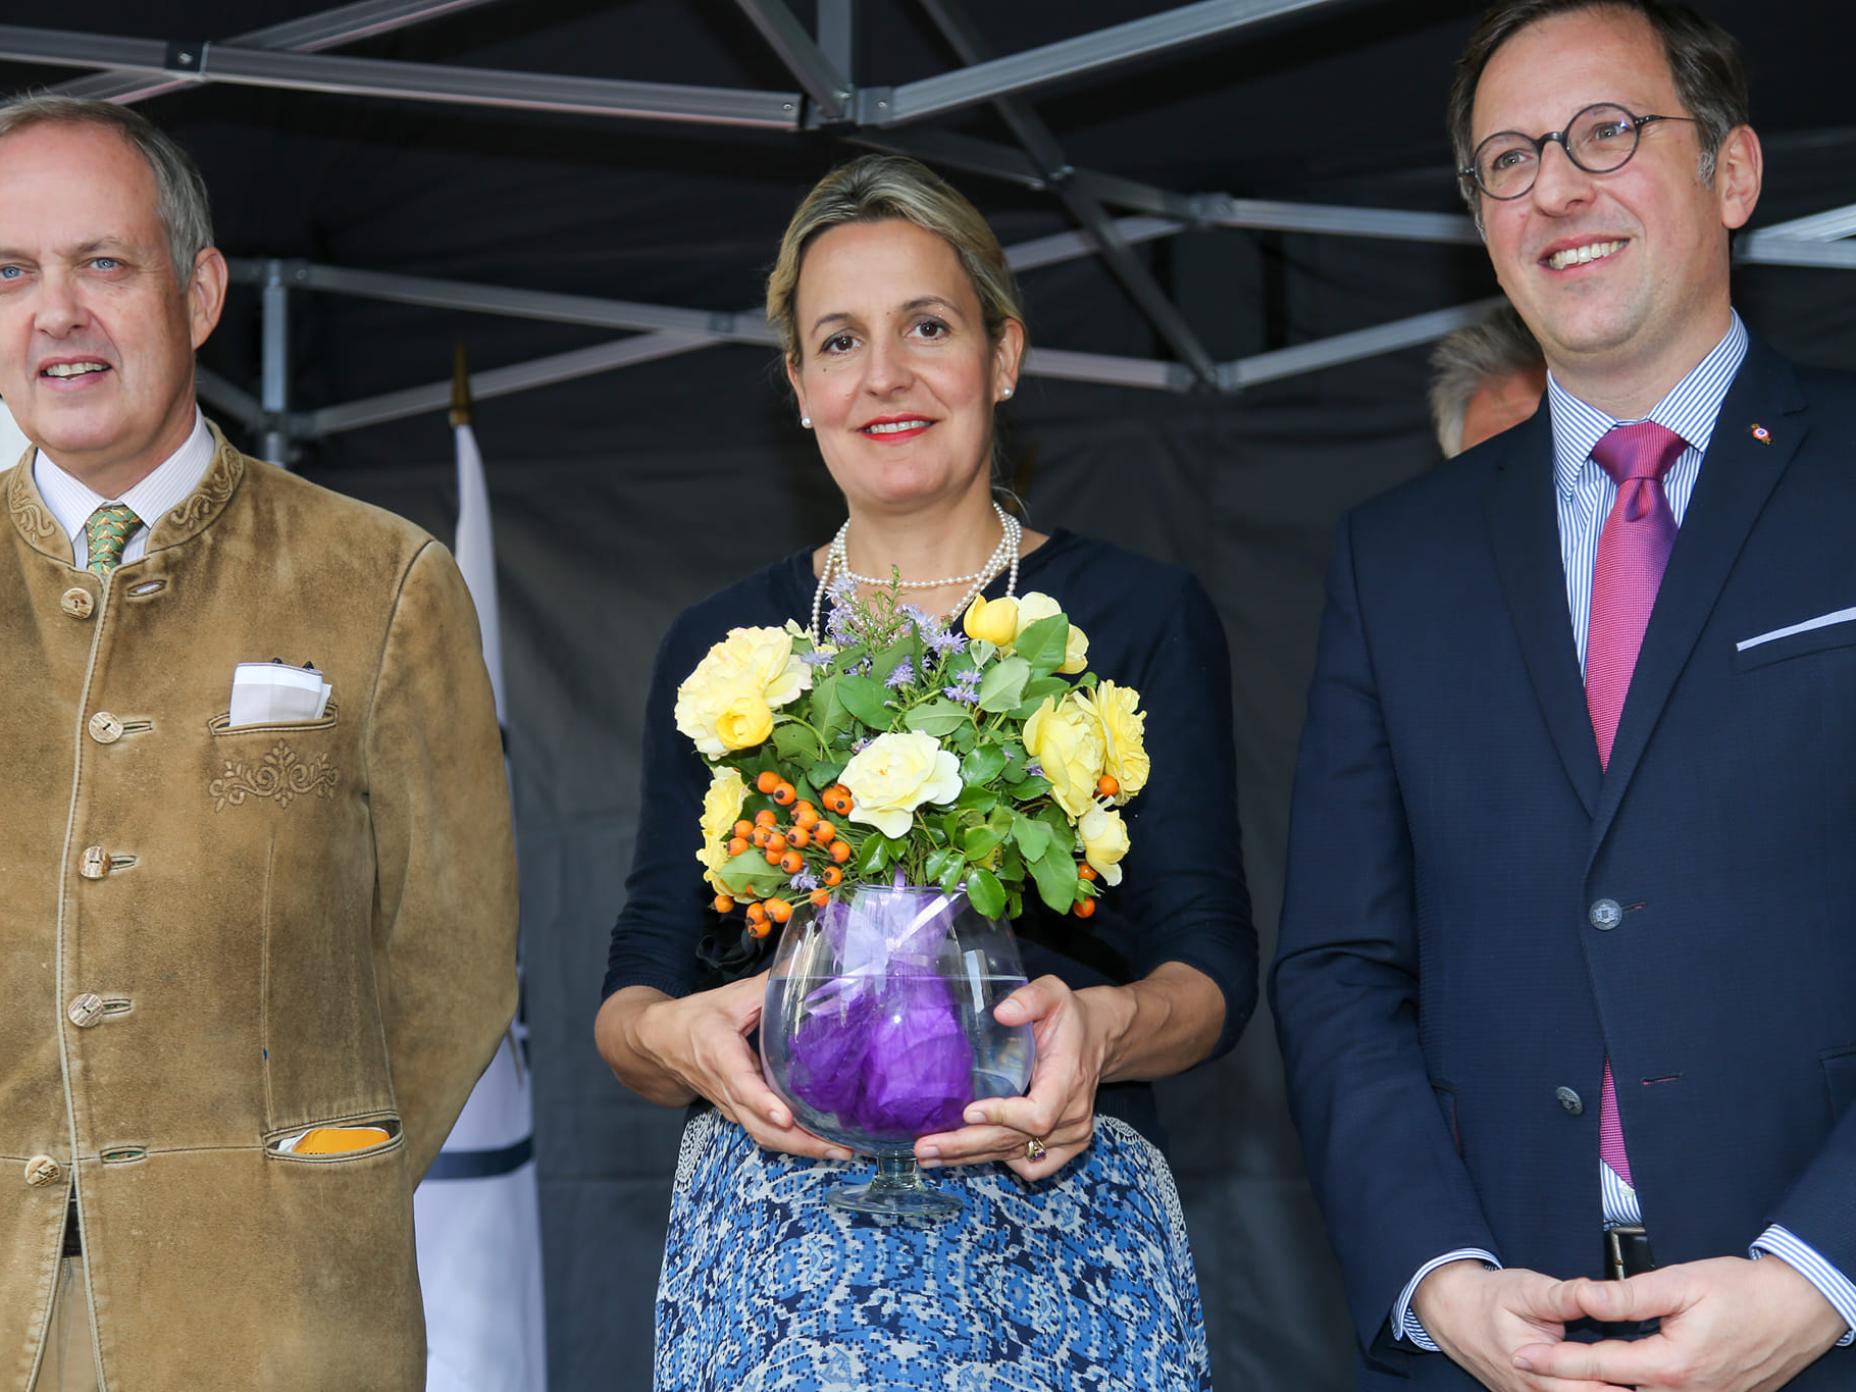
point(891, 790)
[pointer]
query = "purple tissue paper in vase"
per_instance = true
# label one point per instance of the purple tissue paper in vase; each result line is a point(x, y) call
point(882, 1047)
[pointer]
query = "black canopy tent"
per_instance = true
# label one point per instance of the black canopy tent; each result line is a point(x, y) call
point(1236, 230)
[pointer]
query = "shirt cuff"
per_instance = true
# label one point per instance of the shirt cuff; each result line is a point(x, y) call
point(1406, 1325)
point(1809, 1263)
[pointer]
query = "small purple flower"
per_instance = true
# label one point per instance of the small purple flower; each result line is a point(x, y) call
point(805, 879)
point(966, 695)
point(858, 744)
point(946, 642)
point(920, 617)
point(902, 676)
point(1034, 769)
point(816, 658)
point(838, 625)
point(842, 588)
point(969, 679)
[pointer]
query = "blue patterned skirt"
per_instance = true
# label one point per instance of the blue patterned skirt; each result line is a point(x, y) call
point(1082, 1282)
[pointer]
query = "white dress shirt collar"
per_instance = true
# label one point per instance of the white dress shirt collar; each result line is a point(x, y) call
point(1689, 409)
point(72, 501)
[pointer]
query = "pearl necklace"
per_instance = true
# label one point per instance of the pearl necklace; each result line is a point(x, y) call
point(1004, 558)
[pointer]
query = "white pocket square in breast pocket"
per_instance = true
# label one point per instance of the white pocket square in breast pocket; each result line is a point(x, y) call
point(274, 693)
point(1841, 616)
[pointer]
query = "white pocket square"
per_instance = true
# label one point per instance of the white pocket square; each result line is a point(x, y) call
point(1821, 621)
point(273, 693)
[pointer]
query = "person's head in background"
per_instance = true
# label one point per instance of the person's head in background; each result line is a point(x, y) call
point(1485, 378)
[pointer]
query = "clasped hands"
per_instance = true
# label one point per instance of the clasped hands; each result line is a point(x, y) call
point(702, 1042)
point(1726, 1325)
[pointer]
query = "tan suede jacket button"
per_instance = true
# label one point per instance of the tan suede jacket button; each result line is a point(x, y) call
point(105, 728)
point(78, 603)
point(42, 1170)
point(86, 1010)
point(96, 863)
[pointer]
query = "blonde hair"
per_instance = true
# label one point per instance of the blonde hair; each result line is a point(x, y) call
point(879, 188)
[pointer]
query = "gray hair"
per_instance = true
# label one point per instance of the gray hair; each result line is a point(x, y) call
point(1497, 345)
point(180, 192)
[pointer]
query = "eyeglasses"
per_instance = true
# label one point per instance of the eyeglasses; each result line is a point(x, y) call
point(1600, 139)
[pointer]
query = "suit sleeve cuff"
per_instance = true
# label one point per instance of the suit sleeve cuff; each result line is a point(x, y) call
point(1405, 1325)
point(1809, 1263)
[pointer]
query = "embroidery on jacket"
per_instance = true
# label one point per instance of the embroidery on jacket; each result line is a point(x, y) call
point(280, 775)
point(215, 488)
point(33, 520)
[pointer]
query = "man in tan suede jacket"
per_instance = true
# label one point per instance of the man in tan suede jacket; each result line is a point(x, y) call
point(214, 936)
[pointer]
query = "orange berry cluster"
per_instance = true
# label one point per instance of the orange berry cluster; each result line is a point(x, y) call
point(1085, 908)
point(785, 844)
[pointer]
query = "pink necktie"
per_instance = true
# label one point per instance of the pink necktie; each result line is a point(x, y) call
point(1633, 549)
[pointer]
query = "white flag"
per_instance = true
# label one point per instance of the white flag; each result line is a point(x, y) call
point(477, 1213)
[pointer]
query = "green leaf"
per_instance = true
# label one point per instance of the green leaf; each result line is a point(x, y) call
point(863, 698)
point(824, 774)
point(981, 841)
point(950, 877)
point(1043, 644)
point(982, 651)
point(750, 870)
point(939, 717)
point(1026, 789)
point(1011, 865)
point(1015, 903)
point(873, 855)
point(1003, 687)
point(938, 861)
point(1031, 837)
point(1056, 882)
point(982, 765)
point(793, 742)
point(976, 800)
point(828, 712)
point(985, 892)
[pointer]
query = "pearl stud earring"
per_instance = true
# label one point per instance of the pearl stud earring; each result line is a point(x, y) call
point(1006, 395)
point(805, 422)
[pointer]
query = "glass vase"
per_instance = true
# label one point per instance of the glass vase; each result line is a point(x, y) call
point(878, 1029)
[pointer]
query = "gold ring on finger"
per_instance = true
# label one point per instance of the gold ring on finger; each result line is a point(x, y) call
point(1034, 1149)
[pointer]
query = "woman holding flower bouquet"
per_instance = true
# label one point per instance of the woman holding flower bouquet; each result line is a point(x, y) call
point(938, 697)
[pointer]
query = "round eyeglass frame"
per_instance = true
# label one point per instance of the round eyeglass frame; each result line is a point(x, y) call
point(1558, 137)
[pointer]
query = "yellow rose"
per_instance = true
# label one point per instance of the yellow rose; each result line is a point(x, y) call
point(992, 621)
point(896, 773)
point(1116, 710)
point(744, 722)
point(753, 665)
point(1105, 841)
point(1067, 743)
point(1033, 606)
point(721, 807)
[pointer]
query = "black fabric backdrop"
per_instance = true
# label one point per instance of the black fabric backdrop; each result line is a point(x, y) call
point(690, 471)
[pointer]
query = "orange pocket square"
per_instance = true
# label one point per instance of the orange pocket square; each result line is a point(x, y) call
point(337, 1140)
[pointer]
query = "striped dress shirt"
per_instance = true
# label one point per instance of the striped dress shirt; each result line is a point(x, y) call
point(1585, 494)
point(163, 490)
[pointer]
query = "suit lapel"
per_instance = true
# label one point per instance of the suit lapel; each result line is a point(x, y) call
point(1524, 532)
point(1737, 476)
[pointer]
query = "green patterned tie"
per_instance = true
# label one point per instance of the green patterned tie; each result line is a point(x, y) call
point(106, 532)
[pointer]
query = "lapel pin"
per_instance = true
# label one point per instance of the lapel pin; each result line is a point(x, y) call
point(1763, 435)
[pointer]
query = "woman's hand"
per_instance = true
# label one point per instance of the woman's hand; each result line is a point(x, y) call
point(670, 1049)
point(1074, 1030)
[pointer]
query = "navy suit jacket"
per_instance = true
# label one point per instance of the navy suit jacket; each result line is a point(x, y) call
point(1440, 976)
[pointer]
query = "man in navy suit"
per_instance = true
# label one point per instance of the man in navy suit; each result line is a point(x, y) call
point(1567, 978)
